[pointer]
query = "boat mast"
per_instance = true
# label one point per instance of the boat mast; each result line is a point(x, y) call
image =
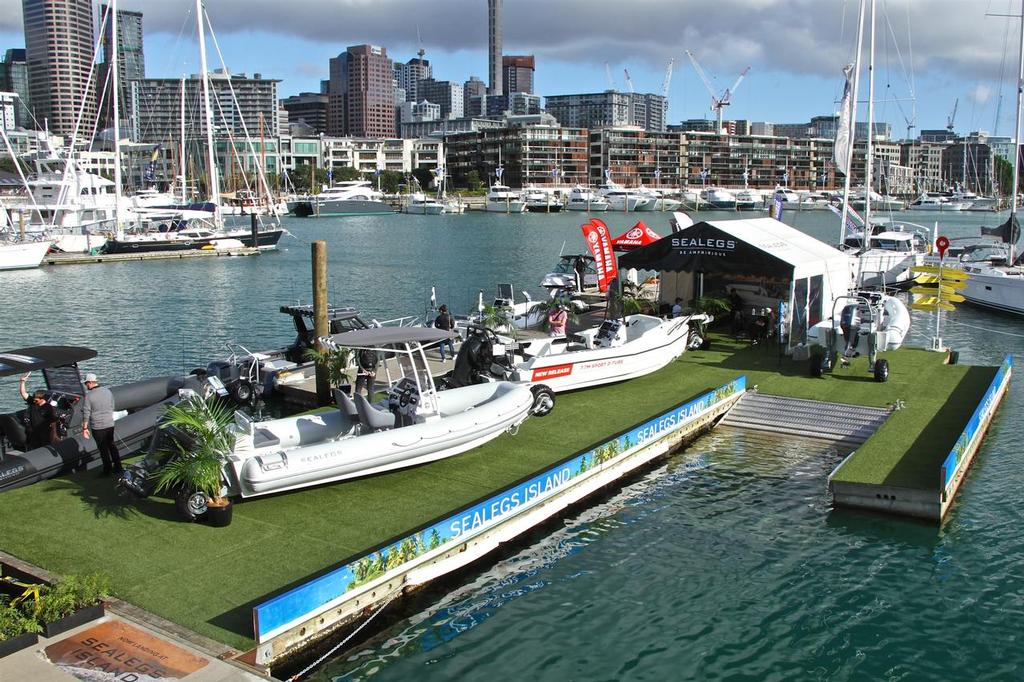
point(181, 150)
point(848, 161)
point(115, 103)
point(869, 161)
point(207, 113)
point(1016, 143)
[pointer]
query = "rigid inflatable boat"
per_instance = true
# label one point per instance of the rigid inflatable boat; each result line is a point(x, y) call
point(414, 424)
point(139, 405)
point(616, 350)
point(870, 322)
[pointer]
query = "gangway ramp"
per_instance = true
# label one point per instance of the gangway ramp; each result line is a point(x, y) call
point(845, 425)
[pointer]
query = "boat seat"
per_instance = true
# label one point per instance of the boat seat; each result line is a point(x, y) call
point(264, 438)
point(371, 417)
point(13, 430)
point(347, 407)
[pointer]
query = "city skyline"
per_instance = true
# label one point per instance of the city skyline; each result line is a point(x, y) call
point(792, 46)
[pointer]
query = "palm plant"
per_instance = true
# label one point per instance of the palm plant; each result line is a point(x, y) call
point(635, 299)
point(203, 440)
point(497, 319)
point(335, 361)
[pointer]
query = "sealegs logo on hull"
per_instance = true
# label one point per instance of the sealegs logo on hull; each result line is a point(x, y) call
point(703, 243)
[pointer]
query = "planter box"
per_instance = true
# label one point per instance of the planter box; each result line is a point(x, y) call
point(11, 646)
point(80, 617)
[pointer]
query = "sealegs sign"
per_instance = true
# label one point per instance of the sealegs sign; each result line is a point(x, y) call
point(704, 246)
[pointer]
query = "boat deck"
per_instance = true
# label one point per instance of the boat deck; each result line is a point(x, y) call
point(86, 258)
point(79, 523)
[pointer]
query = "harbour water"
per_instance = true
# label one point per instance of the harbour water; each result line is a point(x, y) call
point(726, 561)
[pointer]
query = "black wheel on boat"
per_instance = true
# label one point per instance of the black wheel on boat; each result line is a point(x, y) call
point(191, 504)
point(881, 370)
point(242, 392)
point(817, 365)
point(543, 400)
point(705, 344)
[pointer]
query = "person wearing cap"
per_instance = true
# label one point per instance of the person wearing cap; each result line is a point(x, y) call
point(41, 418)
point(446, 322)
point(556, 321)
point(98, 422)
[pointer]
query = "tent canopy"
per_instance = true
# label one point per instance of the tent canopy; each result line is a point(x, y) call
point(760, 245)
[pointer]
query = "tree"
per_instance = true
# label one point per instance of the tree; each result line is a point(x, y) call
point(390, 181)
point(1004, 175)
point(424, 177)
point(8, 164)
point(346, 174)
point(473, 181)
point(300, 179)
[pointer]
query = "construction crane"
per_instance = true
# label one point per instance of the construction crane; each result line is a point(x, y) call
point(664, 88)
point(718, 102)
point(952, 116)
point(629, 81)
point(608, 74)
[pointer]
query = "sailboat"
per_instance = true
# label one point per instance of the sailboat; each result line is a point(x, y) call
point(877, 265)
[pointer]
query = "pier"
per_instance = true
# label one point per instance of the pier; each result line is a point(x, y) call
point(87, 258)
point(298, 567)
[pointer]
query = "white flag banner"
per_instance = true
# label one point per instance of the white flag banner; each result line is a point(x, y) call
point(843, 148)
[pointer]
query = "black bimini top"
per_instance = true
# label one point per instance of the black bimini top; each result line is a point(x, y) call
point(386, 336)
point(41, 357)
point(333, 313)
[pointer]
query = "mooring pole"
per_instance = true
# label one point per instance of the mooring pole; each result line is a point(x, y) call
point(320, 328)
point(254, 226)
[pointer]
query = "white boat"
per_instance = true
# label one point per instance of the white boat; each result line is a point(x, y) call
point(616, 350)
point(503, 199)
point(718, 199)
point(993, 282)
point(936, 201)
point(352, 197)
point(585, 199)
point(891, 251)
point(415, 424)
point(570, 270)
point(453, 204)
point(975, 202)
point(540, 201)
point(661, 202)
point(621, 198)
point(420, 204)
point(790, 199)
point(22, 255)
point(866, 322)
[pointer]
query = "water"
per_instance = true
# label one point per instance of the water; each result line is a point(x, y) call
point(727, 561)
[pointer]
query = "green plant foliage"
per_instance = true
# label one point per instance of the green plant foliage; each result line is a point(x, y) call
point(14, 622)
point(197, 465)
point(72, 593)
point(336, 362)
point(473, 182)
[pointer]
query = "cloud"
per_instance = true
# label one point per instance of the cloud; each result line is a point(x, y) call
point(981, 93)
point(800, 37)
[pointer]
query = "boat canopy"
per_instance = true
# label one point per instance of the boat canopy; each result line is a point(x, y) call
point(386, 336)
point(41, 357)
point(333, 313)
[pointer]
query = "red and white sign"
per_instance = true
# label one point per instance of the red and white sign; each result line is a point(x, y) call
point(942, 243)
point(552, 372)
point(639, 235)
point(600, 243)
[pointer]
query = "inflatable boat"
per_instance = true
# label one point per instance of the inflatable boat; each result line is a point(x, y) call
point(414, 424)
point(616, 350)
point(867, 322)
point(138, 407)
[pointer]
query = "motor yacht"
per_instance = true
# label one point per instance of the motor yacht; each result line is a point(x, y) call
point(628, 199)
point(748, 200)
point(936, 201)
point(352, 197)
point(585, 199)
point(503, 199)
point(541, 201)
point(889, 254)
point(718, 199)
point(420, 204)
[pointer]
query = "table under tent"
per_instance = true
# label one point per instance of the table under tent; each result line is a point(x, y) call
point(772, 272)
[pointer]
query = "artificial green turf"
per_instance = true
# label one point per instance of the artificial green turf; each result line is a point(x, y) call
point(208, 579)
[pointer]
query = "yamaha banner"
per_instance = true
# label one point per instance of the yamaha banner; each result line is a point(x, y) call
point(600, 243)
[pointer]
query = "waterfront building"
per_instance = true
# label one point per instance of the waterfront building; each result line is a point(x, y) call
point(517, 73)
point(474, 87)
point(14, 79)
point(530, 155)
point(448, 95)
point(154, 107)
point(309, 108)
point(367, 155)
point(8, 102)
point(370, 96)
point(633, 156)
point(969, 164)
point(942, 136)
point(408, 76)
point(800, 163)
point(27, 142)
point(415, 112)
point(494, 47)
point(608, 109)
point(499, 106)
point(59, 54)
point(925, 161)
point(444, 127)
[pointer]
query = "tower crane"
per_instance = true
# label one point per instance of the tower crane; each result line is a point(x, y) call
point(718, 102)
point(608, 74)
point(629, 81)
point(664, 88)
point(952, 116)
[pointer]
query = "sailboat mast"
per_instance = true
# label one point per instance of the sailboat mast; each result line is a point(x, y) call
point(869, 160)
point(848, 161)
point(181, 150)
point(115, 103)
point(1016, 142)
point(207, 113)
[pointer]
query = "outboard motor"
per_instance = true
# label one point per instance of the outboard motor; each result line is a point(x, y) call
point(849, 323)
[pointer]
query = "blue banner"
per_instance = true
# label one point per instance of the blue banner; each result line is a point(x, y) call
point(304, 601)
point(953, 462)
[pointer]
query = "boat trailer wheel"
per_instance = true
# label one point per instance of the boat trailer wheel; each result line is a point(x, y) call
point(191, 504)
point(881, 370)
point(543, 400)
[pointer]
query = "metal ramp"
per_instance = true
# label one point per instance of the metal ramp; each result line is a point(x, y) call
point(847, 425)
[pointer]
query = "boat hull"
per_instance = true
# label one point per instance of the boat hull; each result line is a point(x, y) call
point(22, 256)
point(344, 207)
point(505, 206)
point(266, 239)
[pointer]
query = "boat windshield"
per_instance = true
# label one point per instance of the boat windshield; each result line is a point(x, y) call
point(566, 266)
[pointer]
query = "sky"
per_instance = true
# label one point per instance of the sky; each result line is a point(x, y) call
point(929, 55)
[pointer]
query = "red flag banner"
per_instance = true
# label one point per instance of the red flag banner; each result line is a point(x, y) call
point(600, 243)
point(639, 235)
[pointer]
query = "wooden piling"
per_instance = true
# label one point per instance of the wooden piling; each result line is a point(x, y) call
point(320, 328)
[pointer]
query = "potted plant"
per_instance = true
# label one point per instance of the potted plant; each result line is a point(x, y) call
point(202, 439)
point(17, 630)
point(336, 362)
point(71, 602)
point(708, 305)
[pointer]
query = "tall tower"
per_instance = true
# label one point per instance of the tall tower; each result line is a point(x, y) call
point(494, 62)
point(371, 92)
point(59, 53)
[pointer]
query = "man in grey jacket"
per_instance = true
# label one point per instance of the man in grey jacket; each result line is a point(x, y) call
point(98, 422)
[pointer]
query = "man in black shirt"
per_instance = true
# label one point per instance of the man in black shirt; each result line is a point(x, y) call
point(41, 417)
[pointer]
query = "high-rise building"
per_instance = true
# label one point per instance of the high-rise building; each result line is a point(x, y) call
point(474, 87)
point(308, 107)
point(14, 78)
point(609, 109)
point(131, 60)
point(517, 73)
point(494, 87)
point(371, 93)
point(7, 102)
point(446, 94)
point(411, 73)
point(337, 100)
point(59, 51)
